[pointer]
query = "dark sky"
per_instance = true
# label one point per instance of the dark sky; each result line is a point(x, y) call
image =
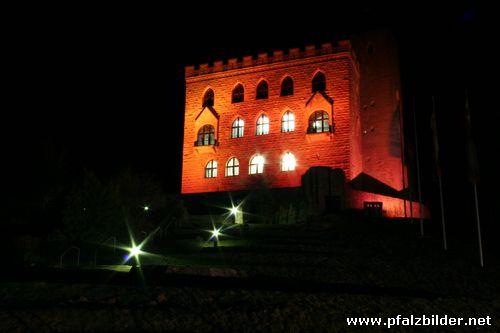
point(104, 87)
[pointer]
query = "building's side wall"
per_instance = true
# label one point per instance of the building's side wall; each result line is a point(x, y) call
point(380, 106)
point(322, 149)
point(356, 158)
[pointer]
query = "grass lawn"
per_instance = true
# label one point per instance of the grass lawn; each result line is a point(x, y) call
point(293, 278)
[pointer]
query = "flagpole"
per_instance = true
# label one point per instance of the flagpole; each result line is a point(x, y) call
point(478, 227)
point(445, 245)
point(473, 171)
point(410, 189)
point(418, 170)
point(438, 168)
point(403, 157)
point(409, 173)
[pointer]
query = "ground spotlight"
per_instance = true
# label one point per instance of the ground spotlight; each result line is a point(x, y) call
point(135, 251)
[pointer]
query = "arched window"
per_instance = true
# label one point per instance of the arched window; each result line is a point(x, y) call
point(238, 128)
point(288, 162)
point(208, 98)
point(206, 136)
point(238, 94)
point(318, 122)
point(211, 169)
point(287, 87)
point(288, 122)
point(262, 125)
point(256, 165)
point(262, 90)
point(232, 167)
point(319, 82)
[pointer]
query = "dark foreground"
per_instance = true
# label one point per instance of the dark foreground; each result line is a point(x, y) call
point(267, 279)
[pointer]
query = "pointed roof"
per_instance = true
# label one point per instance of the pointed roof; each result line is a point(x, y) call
point(365, 182)
point(211, 109)
point(318, 94)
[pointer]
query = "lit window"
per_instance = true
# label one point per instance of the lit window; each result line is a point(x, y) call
point(262, 125)
point(287, 87)
point(206, 136)
point(262, 90)
point(208, 98)
point(319, 82)
point(238, 94)
point(288, 122)
point(256, 165)
point(288, 162)
point(318, 122)
point(238, 128)
point(232, 167)
point(211, 169)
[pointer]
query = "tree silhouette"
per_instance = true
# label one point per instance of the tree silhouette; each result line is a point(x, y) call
point(92, 213)
point(129, 205)
point(142, 201)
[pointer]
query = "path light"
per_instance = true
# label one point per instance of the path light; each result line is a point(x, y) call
point(237, 213)
point(216, 233)
point(134, 251)
point(215, 236)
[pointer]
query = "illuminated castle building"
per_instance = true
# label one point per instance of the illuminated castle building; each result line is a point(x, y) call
point(323, 119)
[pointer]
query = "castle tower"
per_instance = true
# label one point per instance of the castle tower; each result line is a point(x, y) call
point(269, 119)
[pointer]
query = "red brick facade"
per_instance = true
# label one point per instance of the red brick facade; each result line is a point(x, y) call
point(318, 149)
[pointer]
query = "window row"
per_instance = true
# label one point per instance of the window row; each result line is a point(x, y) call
point(318, 123)
point(238, 93)
point(255, 166)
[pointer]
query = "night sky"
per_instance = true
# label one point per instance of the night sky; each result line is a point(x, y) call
point(103, 88)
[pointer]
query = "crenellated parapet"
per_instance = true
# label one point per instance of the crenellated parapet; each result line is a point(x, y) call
point(267, 58)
